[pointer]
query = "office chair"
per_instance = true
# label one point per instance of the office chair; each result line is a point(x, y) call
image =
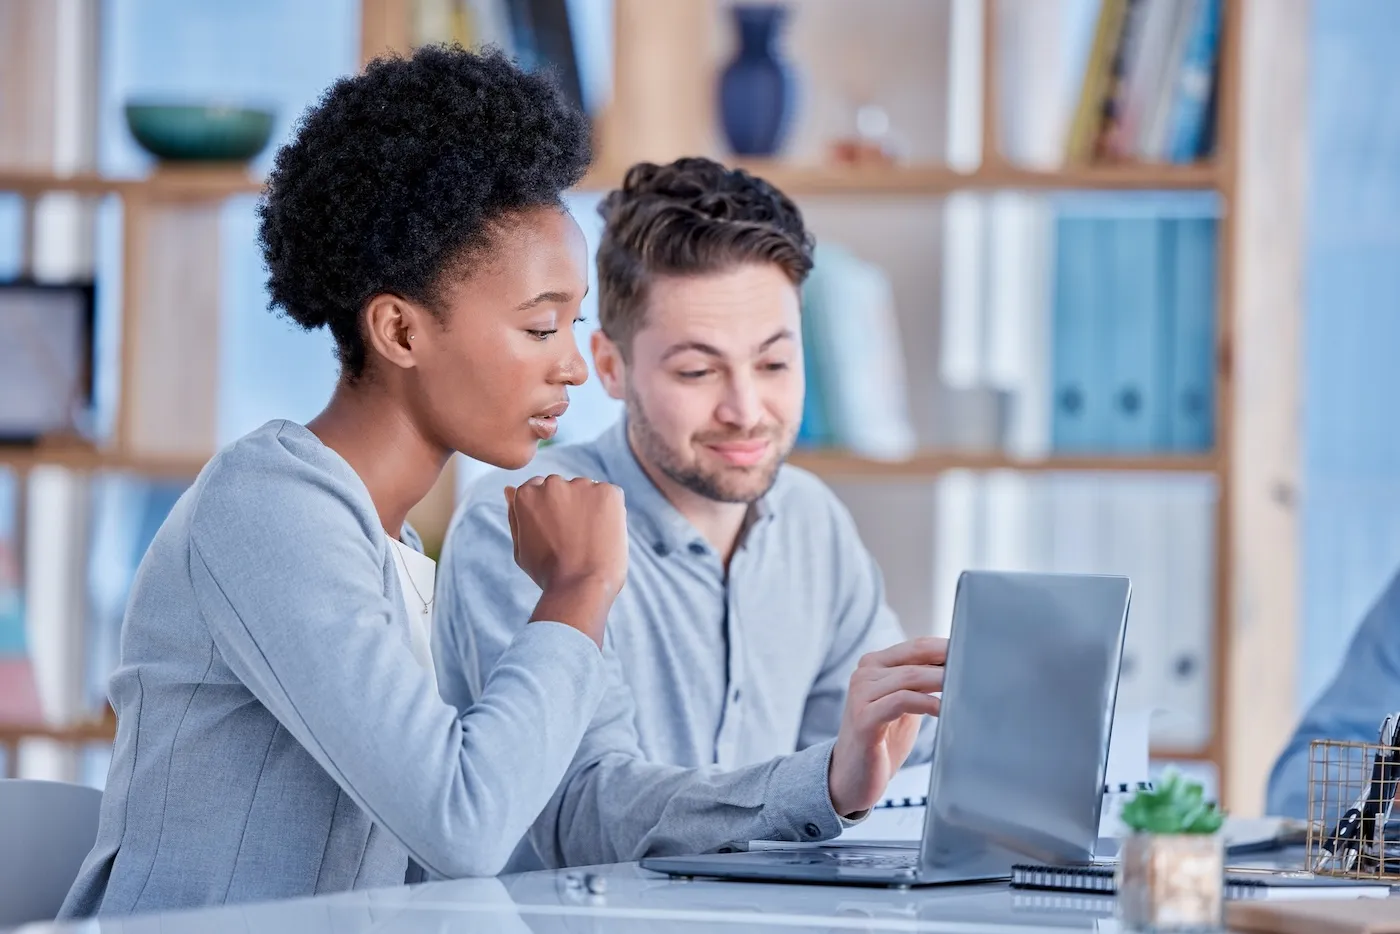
point(46, 831)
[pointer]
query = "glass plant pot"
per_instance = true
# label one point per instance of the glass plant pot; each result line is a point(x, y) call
point(1172, 882)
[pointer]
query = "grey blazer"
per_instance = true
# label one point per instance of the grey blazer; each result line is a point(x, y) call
point(276, 736)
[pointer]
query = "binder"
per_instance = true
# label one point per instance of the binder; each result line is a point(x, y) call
point(1079, 416)
point(1137, 419)
point(1189, 255)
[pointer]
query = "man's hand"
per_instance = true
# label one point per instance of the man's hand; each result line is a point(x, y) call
point(888, 697)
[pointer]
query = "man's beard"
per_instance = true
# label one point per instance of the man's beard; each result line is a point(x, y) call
point(717, 485)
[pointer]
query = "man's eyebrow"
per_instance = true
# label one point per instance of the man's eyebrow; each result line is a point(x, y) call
point(784, 333)
point(683, 346)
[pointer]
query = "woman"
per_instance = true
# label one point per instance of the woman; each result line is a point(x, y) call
point(280, 731)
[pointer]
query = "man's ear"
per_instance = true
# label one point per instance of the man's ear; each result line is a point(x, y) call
point(609, 365)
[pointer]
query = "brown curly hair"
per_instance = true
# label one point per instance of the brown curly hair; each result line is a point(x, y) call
point(690, 217)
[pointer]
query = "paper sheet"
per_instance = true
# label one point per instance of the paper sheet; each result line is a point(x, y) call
point(1128, 764)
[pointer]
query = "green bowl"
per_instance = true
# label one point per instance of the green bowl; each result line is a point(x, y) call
point(194, 133)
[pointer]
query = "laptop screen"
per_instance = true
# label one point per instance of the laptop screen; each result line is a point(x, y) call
point(1027, 710)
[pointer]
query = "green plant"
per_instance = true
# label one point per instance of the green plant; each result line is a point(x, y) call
point(1174, 806)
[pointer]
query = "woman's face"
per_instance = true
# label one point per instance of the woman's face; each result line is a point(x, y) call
point(492, 377)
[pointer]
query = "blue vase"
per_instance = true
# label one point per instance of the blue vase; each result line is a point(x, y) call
point(756, 88)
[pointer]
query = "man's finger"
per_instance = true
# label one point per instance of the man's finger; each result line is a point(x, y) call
point(893, 706)
point(922, 678)
point(926, 650)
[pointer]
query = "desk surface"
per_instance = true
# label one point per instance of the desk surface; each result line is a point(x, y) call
point(634, 900)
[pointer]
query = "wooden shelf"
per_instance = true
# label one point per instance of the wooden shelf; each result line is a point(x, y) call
point(796, 179)
point(933, 463)
point(86, 457)
point(193, 183)
point(213, 183)
point(82, 733)
point(90, 731)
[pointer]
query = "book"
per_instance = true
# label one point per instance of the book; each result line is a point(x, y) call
point(1321, 916)
point(1194, 85)
point(543, 39)
point(1239, 885)
point(1089, 112)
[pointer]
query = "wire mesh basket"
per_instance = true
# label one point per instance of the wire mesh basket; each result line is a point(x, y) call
point(1354, 825)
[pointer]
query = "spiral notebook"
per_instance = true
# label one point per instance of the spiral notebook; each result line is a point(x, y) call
point(1238, 885)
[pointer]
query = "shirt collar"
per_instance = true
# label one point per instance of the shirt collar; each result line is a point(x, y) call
point(647, 506)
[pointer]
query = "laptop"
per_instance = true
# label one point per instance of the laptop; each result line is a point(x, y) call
point(1021, 750)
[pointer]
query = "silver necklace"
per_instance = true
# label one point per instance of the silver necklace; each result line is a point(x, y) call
point(411, 582)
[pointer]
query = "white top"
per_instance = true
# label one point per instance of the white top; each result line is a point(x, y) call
point(417, 575)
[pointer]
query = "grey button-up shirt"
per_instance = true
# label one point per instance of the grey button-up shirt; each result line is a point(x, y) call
point(714, 674)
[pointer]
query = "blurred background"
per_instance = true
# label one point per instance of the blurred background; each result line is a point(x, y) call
point(1101, 285)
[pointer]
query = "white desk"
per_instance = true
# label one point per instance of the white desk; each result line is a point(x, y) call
point(631, 900)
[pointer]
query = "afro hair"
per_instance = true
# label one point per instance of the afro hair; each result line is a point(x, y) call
point(396, 176)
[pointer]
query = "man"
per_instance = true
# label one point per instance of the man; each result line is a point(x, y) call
point(750, 600)
point(1365, 689)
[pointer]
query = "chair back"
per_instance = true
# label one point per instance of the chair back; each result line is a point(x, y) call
point(46, 831)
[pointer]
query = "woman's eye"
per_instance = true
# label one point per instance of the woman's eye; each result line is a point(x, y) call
point(541, 335)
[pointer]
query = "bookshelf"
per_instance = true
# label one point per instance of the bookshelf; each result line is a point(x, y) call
point(664, 70)
point(661, 107)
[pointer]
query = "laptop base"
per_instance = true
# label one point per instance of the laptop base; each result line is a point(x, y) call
point(844, 865)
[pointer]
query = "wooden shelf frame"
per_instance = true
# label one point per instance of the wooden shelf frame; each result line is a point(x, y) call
point(645, 135)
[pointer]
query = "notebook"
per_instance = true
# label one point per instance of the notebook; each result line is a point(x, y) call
point(1238, 886)
point(1364, 916)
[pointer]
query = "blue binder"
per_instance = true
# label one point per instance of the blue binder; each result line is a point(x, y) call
point(1192, 258)
point(1078, 414)
point(815, 430)
point(1137, 408)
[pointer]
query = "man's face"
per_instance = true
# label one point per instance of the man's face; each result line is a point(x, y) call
point(714, 383)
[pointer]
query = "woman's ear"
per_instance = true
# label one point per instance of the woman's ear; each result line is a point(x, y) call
point(395, 328)
point(609, 364)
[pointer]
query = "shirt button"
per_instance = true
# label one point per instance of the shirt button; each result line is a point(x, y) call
point(812, 830)
point(696, 548)
point(661, 549)
point(736, 695)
